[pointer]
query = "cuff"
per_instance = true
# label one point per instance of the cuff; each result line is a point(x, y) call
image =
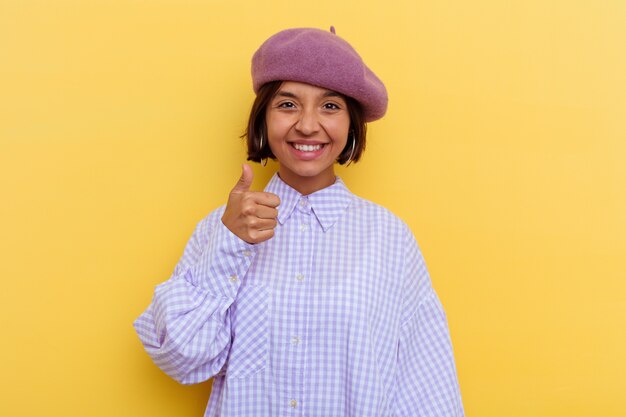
point(224, 263)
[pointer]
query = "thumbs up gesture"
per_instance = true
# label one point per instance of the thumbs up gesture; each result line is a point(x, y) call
point(251, 215)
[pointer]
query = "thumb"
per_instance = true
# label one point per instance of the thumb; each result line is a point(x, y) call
point(245, 181)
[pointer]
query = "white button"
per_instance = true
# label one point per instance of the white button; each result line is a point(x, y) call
point(303, 227)
point(293, 403)
point(300, 277)
point(303, 203)
point(295, 340)
point(247, 253)
point(233, 278)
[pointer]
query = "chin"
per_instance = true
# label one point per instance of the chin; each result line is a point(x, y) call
point(312, 171)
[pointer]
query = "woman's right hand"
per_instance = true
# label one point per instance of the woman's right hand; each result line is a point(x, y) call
point(251, 215)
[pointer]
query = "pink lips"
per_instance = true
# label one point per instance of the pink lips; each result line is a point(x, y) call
point(305, 154)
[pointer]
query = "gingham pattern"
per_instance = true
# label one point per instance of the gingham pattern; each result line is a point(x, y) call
point(333, 316)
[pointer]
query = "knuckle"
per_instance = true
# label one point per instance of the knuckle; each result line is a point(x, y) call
point(248, 209)
point(254, 236)
point(246, 197)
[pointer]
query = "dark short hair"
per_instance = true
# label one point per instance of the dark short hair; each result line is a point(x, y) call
point(257, 127)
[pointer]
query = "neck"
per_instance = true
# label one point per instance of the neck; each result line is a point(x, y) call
point(307, 185)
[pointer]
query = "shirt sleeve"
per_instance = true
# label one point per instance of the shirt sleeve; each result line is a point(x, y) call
point(427, 383)
point(186, 328)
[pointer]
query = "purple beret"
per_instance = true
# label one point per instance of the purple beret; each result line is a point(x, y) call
point(320, 58)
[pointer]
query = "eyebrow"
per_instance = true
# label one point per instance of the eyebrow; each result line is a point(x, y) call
point(289, 94)
point(285, 94)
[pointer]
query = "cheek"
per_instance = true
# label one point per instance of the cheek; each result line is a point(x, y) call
point(276, 133)
point(340, 130)
point(277, 127)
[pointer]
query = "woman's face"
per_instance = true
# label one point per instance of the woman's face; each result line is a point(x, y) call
point(307, 130)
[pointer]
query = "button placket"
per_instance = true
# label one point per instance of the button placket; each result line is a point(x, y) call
point(294, 352)
point(304, 206)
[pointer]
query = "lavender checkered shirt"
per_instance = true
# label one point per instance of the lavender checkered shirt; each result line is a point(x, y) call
point(333, 316)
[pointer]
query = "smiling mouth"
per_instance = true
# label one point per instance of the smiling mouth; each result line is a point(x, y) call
point(307, 148)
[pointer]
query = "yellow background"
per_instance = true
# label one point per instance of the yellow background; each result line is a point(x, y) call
point(504, 149)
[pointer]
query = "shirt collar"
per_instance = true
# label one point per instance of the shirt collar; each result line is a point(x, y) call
point(327, 204)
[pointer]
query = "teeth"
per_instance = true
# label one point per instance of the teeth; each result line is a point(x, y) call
point(307, 148)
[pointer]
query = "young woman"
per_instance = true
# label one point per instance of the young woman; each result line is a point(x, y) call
point(304, 299)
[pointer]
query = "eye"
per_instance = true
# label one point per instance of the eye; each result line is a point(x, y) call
point(286, 105)
point(331, 106)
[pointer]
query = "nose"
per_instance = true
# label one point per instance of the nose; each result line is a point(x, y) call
point(308, 123)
